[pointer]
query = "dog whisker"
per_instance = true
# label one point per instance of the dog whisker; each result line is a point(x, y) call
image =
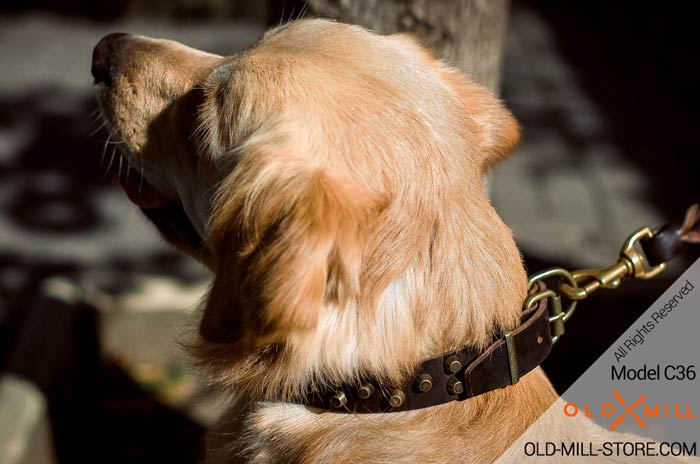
point(104, 148)
point(141, 173)
point(303, 10)
point(111, 159)
point(287, 16)
point(104, 123)
point(94, 120)
point(119, 169)
point(94, 117)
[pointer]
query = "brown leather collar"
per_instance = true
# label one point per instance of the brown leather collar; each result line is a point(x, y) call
point(452, 376)
point(469, 372)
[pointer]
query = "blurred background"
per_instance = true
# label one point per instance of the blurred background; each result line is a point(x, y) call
point(94, 306)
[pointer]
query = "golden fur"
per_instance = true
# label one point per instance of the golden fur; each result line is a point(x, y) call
point(336, 178)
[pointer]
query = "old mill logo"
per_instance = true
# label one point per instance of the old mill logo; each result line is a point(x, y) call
point(639, 410)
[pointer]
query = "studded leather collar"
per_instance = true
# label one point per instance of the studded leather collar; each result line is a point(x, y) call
point(453, 376)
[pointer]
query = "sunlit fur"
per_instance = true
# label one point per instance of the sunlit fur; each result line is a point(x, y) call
point(336, 176)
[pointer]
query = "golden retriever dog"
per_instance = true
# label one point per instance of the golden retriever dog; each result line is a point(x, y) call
point(331, 179)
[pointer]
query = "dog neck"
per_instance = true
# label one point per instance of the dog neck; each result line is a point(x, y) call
point(436, 305)
point(458, 292)
point(452, 376)
point(477, 430)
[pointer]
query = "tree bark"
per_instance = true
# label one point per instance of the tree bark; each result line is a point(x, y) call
point(467, 34)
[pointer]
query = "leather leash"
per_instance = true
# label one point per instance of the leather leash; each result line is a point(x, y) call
point(469, 372)
point(672, 239)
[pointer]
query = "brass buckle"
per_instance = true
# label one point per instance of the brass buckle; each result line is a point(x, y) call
point(512, 359)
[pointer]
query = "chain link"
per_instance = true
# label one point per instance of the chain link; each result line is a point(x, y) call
point(580, 284)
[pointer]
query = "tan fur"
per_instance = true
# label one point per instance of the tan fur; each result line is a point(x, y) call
point(349, 233)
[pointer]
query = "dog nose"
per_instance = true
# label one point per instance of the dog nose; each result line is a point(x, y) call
point(102, 56)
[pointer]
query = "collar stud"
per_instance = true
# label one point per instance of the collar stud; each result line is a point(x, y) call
point(365, 391)
point(425, 382)
point(339, 400)
point(452, 364)
point(454, 386)
point(397, 398)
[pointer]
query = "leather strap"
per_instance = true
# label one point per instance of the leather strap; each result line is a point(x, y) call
point(458, 375)
point(499, 365)
point(671, 239)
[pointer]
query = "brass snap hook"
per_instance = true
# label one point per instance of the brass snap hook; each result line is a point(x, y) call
point(631, 262)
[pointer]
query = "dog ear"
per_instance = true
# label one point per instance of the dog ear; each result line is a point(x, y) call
point(286, 237)
point(495, 126)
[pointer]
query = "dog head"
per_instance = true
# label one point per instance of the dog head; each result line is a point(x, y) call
point(334, 178)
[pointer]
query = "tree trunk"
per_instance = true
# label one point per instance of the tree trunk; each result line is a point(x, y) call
point(468, 34)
